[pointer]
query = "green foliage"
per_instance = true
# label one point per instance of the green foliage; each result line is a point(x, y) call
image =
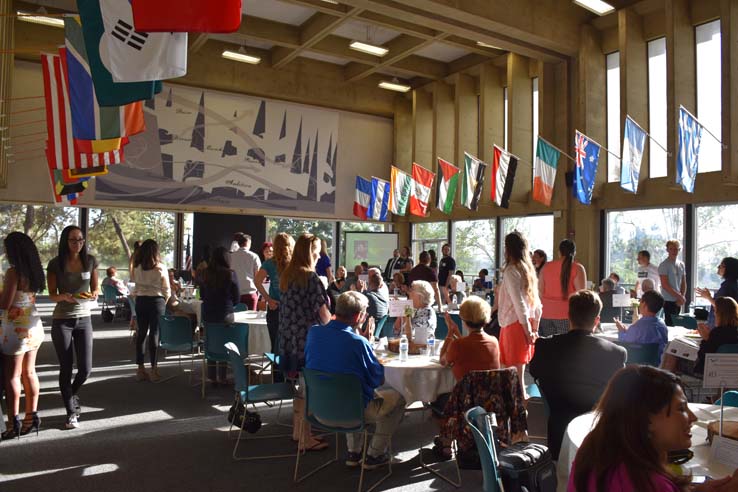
point(475, 245)
point(294, 227)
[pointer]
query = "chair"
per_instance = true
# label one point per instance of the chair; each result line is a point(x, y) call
point(728, 348)
point(380, 326)
point(322, 392)
point(240, 307)
point(729, 399)
point(112, 299)
point(482, 425)
point(642, 353)
point(175, 335)
point(685, 321)
point(216, 336)
point(258, 393)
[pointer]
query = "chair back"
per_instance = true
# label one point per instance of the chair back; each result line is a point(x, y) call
point(728, 348)
point(175, 333)
point(482, 426)
point(380, 326)
point(685, 321)
point(240, 382)
point(110, 294)
point(334, 401)
point(642, 353)
point(218, 334)
point(729, 399)
point(441, 327)
point(240, 307)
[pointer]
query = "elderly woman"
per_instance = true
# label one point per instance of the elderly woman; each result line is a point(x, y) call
point(423, 322)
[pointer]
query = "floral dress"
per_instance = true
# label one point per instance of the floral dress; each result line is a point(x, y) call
point(21, 329)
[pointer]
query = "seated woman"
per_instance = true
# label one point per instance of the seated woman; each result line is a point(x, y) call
point(113, 281)
point(453, 289)
point(641, 417)
point(398, 286)
point(480, 283)
point(423, 321)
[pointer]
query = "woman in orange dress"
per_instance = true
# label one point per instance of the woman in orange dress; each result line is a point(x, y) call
point(557, 281)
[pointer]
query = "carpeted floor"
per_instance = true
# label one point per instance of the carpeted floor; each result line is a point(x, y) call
point(139, 436)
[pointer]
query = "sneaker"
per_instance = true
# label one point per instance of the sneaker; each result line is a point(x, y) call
point(373, 462)
point(72, 422)
point(353, 459)
point(76, 405)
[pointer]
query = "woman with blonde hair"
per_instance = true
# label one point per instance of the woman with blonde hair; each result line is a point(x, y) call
point(271, 269)
point(519, 308)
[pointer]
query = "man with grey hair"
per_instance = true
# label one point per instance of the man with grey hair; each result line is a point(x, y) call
point(343, 347)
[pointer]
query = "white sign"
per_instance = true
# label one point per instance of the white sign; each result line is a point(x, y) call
point(621, 300)
point(460, 286)
point(397, 307)
point(721, 370)
point(364, 277)
point(725, 451)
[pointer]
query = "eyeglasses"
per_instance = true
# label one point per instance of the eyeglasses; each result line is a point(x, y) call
point(76, 241)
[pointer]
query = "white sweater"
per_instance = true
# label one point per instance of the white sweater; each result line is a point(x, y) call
point(512, 304)
point(152, 283)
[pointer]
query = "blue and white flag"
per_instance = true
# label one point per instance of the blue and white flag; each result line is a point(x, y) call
point(380, 199)
point(634, 139)
point(588, 157)
point(363, 197)
point(690, 136)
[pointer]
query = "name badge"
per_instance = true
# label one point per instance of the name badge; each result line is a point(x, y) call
point(85, 275)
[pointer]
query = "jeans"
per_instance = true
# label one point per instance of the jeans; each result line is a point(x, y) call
point(386, 411)
point(148, 310)
point(670, 307)
point(70, 336)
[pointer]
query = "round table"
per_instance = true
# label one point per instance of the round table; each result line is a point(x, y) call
point(259, 342)
point(701, 464)
point(609, 331)
point(420, 378)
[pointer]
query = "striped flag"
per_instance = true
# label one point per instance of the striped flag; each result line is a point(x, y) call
point(544, 172)
point(690, 136)
point(401, 182)
point(380, 199)
point(634, 139)
point(448, 181)
point(473, 183)
point(421, 189)
point(504, 166)
point(363, 197)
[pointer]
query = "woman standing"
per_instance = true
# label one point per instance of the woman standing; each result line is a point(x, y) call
point(540, 258)
point(22, 332)
point(559, 279)
point(273, 268)
point(72, 280)
point(728, 271)
point(519, 309)
point(303, 303)
point(323, 267)
point(152, 292)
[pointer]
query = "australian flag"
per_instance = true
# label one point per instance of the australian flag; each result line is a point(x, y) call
point(588, 156)
point(690, 136)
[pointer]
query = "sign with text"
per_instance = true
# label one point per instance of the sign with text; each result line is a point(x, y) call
point(621, 300)
point(721, 371)
point(397, 307)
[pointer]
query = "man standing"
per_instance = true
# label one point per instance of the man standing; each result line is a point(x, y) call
point(337, 348)
point(391, 265)
point(646, 269)
point(423, 271)
point(673, 281)
point(446, 267)
point(573, 369)
point(246, 263)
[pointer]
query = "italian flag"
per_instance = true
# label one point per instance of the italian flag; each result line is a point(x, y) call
point(544, 172)
point(421, 189)
point(446, 185)
point(400, 183)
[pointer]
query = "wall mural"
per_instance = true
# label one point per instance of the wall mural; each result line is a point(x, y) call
point(217, 149)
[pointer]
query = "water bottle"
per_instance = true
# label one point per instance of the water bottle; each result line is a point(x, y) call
point(431, 344)
point(404, 347)
point(453, 301)
point(397, 292)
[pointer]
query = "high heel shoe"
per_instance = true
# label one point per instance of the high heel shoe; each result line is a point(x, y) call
point(34, 425)
point(14, 432)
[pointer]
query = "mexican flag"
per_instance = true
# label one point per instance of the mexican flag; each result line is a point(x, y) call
point(421, 189)
point(448, 181)
point(471, 186)
point(544, 172)
point(401, 182)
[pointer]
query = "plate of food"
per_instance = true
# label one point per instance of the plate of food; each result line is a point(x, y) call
point(693, 334)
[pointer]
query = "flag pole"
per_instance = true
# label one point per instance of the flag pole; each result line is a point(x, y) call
point(649, 135)
point(600, 145)
point(703, 126)
point(561, 151)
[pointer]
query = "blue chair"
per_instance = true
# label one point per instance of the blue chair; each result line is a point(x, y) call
point(113, 300)
point(216, 336)
point(240, 307)
point(379, 327)
point(729, 399)
point(323, 391)
point(257, 393)
point(482, 425)
point(685, 321)
point(642, 353)
point(728, 348)
point(175, 335)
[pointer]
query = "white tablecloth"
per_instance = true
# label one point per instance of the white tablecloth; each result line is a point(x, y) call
point(701, 464)
point(258, 333)
point(610, 331)
point(420, 378)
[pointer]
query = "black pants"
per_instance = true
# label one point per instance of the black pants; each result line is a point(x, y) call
point(670, 307)
point(272, 318)
point(148, 310)
point(72, 336)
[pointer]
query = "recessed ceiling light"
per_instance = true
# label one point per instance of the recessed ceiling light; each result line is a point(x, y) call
point(482, 44)
point(597, 6)
point(239, 56)
point(39, 19)
point(394, 86)
point(368, 48)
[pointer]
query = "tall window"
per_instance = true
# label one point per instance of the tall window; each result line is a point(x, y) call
point(428, 235)
point(613, 115)
point(535, 116)
point(713, 244)
point(474, 245)
point(537, 229)
point(657, 106)
point(187, 240)
point(506, 114)
point(709, 100)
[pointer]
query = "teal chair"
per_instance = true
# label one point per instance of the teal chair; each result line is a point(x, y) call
point(728, 348)
point(323, 391)
point(256, 393)
point(482, 425)
point(379, 327)
point(240, 307)
point(642, 353)
point(114, 301)
point(175, 335)
point(216, 336)
point(685, 321)
point(730, 399)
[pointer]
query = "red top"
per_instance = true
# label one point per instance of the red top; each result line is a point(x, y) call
point(555, 304)
point(475, 352)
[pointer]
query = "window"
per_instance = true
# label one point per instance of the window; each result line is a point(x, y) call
point(359, 226)
point(709, 99)
point(506, 114)
point(630, 231)
point(295, 227)
point(537, 229)
point(535, 116)
point(475, 245)
point(612, 85)
point(713, 244)
point(187, 228)
point(428, 235)
point(657, 106)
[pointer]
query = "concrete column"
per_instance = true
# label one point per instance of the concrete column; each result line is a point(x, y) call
point(520, 123)
point(491, 114)
point(422, 127)
point(443, 125)
point(403, 125)
point(467, 122)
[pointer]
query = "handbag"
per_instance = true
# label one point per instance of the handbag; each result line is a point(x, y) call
point(237, 413)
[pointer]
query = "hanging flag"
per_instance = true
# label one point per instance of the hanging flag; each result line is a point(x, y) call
point(380, 199)
point(504, 166)
point(188, 255)
point(634, 139)
point(421, 189)
point(107, 91)
point(401, 182)
point(690, 136)
point(448, 181)
point(189, 16)
point(363, 197)
point(588, 156)
point(544, 172)
point(471, 187)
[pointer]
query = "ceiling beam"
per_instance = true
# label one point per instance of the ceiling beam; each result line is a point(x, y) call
point(198, 41)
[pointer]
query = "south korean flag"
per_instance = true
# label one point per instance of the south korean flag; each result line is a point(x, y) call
point(133, 56)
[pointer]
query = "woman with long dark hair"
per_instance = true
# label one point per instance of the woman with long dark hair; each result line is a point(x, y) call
point(540, 258)
point(152, 292)
point(728, 271)
point(273, 268)
point(73, 285)
point(22, 332)
point(557, 281)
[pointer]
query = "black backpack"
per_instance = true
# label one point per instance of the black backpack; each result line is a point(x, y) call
point(526, 466)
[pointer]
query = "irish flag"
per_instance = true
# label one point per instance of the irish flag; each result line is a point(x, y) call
point(448, 181)
point(544, 172)
point(421, 189)
point(401, 183)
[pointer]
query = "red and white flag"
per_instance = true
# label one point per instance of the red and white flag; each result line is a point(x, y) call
point(420, 190)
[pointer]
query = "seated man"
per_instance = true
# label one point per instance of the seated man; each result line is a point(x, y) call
point(337, 348)
point(480, 283)
point(573, 369)
point(377, 296)
point(112, 280)
point(649, 328)
point(607, 289)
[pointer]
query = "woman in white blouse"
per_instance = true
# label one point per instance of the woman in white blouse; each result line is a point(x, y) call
point(519, 306)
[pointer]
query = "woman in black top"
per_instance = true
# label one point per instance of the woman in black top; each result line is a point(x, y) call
point(725, 331)
point(728, 271)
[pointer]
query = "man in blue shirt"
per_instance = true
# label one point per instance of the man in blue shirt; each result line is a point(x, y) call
point(338, 348)
point(648, 329)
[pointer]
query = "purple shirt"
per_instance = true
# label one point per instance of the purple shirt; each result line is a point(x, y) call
point(648, 329)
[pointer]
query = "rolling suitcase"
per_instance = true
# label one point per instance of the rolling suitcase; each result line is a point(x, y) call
point(526, 466)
